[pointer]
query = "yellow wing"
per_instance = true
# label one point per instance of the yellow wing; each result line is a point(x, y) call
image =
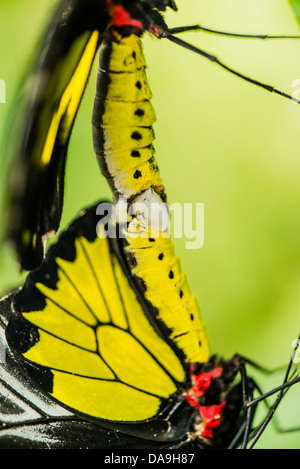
point(91, 334)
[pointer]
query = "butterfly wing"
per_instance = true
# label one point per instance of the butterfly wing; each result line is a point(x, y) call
point(85, 331)
point(30, 419)
point(58, 83)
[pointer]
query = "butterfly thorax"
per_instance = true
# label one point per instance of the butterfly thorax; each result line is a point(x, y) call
point(142, 14)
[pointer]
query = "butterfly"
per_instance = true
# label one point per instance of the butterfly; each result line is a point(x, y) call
point(184, 382)
point(96, 335)
point(107, 330)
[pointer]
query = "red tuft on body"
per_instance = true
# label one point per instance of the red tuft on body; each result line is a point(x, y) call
point(211, 416)
point(201, 383)
point(121, 17)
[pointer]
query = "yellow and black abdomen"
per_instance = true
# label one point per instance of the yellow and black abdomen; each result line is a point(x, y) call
point(166, 288)
point(122, 119)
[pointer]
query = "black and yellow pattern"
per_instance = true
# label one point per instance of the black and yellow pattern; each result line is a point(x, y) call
point(153, 260)
point(62, 71)
point(107, 327)
point(102, 352)
point(36, 192)
point(93, 319)
point(126, 327)
point(123, 97)
point(100, 338)
point(123, 117)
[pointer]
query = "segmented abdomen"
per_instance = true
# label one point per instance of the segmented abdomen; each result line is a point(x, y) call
point(122, 119)
point(123, 137)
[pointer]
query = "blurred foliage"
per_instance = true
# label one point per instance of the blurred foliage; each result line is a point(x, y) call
point(296, 6)
point(221, 142)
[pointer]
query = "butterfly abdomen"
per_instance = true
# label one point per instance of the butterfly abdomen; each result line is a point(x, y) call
point(123, 141)
point(122, 119)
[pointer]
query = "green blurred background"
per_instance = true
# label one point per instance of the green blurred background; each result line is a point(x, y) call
point(221, 142)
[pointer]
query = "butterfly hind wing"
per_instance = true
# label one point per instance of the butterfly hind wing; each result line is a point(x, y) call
point(29, 419)
point(98, 338)
point(37, 175)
